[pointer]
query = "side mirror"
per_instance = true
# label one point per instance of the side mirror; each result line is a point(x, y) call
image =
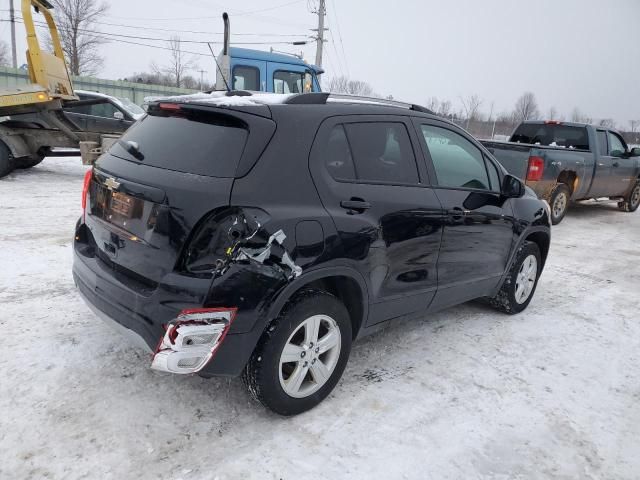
point(635, 152)
point(118, 115)
point(512, 187)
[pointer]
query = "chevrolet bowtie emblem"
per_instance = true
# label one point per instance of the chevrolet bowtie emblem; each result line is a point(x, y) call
point(111, 183)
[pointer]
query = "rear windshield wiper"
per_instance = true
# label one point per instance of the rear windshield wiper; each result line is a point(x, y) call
point(132, 148)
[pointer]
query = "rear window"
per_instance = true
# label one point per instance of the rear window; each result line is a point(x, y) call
point(552, 135)
point(212, 147)
point(371, 152)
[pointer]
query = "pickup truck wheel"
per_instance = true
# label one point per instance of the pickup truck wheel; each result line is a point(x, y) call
point(28, 162)
point(632, 201)
point(559, 203)
point(301, 355)
point(6, 160)
point(521, 281)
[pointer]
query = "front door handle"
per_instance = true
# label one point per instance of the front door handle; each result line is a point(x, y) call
point(355, 205)
point(615, 164)
point(458, 212)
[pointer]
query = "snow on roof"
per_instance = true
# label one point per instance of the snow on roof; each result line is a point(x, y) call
point(220, 99)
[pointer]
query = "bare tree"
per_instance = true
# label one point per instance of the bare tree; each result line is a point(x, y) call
point(433, 104)
point(608, 123)
point(579, 117)
point(634, 124)
point(75, 20)
point(179, 63)
point(526, 107)
point(4, 53)
point(471, 107)
point(444, 109)
point(342, 84)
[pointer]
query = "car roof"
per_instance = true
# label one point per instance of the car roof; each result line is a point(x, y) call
point(243, 99)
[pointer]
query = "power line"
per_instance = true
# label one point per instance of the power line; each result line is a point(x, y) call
point(344, 55)
point(253, 12)
point(139, 37)
point(173, 30)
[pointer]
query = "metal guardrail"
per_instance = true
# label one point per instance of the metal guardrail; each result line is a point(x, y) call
point(12, 77)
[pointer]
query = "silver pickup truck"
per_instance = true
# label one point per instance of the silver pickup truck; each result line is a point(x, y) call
point(564, 162)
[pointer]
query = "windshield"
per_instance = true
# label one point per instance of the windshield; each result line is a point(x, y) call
point(135, 110)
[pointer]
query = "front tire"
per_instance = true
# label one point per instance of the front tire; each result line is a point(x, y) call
point(631, 201)
point(520, 283)
point(559, 203)
point(301, 355)
point(28, 162)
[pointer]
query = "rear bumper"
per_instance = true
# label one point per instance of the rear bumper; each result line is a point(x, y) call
point(143, 318)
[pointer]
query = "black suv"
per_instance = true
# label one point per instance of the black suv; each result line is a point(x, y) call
point(261, 235)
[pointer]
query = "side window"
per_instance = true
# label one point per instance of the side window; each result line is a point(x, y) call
point(337, 155)
point(616, 146)
point(246, 78)
point(602, 142)
point(83, 109)
point(288, 82)
point(458, 162)
point(494, 177)
point(382, 152)
point(105, 110)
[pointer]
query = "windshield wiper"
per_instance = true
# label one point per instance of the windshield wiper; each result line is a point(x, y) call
point(132, 148)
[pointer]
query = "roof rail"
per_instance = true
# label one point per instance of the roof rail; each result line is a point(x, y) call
point(324, 97)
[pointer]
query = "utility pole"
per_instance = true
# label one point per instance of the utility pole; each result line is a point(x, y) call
point(322, 11)
point(202, 72)
point(12, 17)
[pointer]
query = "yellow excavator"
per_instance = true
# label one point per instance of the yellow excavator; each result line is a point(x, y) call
point(32, 119)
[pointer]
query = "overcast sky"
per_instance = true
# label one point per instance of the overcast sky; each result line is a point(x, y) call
point(570, 53)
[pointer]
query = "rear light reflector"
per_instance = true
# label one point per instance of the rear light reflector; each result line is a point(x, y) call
point(192, 339)
point(85, 190)
point(536, 168)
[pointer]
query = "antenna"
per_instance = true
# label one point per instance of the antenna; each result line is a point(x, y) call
point(219, 69)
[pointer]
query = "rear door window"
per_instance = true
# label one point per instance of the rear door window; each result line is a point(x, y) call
point(602, 142)
point(210, 147)
point(371, 152)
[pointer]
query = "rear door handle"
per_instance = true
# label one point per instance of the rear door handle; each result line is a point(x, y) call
point(356, 205)
point(615, 164)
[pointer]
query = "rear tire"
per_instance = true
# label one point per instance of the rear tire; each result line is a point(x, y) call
point(6, 160)
point(632, 201)
point(520, 283)
point(559, 203)
point(289, 351)
point(28, 162)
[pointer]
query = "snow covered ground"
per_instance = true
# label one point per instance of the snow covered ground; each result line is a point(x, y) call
point(467, 393)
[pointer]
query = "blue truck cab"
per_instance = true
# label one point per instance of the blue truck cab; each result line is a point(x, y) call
point(256, 70)
point(271, 72)
point(260, 71)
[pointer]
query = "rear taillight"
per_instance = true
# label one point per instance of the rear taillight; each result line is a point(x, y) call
point(536, 168)
point(85, 190)
point(172, 107)
point(191, 340)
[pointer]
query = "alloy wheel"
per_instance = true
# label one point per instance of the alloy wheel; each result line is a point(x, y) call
point(526, 279)
point(559, 204)
point(309, 356)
